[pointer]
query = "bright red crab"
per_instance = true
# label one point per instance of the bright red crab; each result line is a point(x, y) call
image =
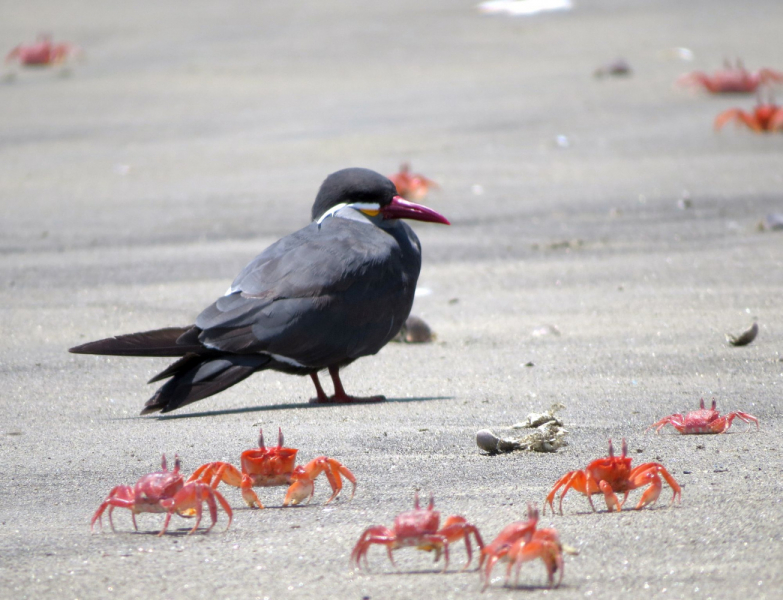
point(521, 542)
point(275, 466)
point(41, 53)
point(731, 79)
point(411, 186)
point(419, 527)
point(614, 474)
point(765, 117)
point(163, 491)
point(703, 420)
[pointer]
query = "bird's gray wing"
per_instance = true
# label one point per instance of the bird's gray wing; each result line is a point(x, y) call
point(320, 296)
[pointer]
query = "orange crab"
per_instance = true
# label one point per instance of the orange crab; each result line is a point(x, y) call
point(703, 420)
point(411, 186)
point(275, 466)
point(614, 474)
point(41, 53)
point(731, 79)
point(521, 542)
point(765, 117)
point(163, 491)
point(419, 527)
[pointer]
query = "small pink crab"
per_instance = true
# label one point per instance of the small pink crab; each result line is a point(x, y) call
point(703, 420)
point(275, 466)
point(731, 79)
point(42, 53)
point(411, 186)
point(419, 527)
point(163, 491)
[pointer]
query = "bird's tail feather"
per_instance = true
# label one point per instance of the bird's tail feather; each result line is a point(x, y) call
point(171, 341)
point(195, 377)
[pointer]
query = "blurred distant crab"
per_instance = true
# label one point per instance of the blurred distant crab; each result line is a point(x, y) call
point(731, 79)
point(765, 117)
point(614, 474)
point(521, 542)
point(275, 466)
point(703, 420)
point(419, 527)
point(163, 491)
point(42, 53)
point(411, 186)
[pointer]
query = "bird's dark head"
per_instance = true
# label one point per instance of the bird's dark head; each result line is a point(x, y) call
point(370, 193)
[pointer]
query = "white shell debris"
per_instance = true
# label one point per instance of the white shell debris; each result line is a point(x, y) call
point(549, 435)
point(538, 419)
point(522, 7)
point(744, 338)
point(544, 330)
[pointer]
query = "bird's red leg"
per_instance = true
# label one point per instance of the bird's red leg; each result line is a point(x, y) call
point(340, 397)
point(321, 395)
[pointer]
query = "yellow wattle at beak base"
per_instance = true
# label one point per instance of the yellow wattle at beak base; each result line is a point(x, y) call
point(369, 212)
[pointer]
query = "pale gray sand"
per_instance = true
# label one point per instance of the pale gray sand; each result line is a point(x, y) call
point(194, 134)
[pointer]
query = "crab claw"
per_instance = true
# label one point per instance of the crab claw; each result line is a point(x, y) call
point(303, 480)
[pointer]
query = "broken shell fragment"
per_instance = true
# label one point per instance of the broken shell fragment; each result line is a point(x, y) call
point(538, 419)
point(548, 435)
point(489, 442)
point(745, 338)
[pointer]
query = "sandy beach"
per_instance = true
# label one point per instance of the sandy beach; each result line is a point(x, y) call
point(137, 180)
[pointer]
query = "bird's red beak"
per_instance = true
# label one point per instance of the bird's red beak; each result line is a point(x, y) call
point(399, 208)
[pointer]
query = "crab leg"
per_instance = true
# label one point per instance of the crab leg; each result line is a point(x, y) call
point(303, 480)
point(581, 481)
point(677, 421)
point(215, 472)
point(741, 416)
point(373, 535)
point(122, 497)
point(567, 481)
point(456, 528)
point(649, 472)
point(735, 113)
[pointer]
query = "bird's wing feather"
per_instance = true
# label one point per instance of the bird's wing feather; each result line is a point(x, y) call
point(338, 291)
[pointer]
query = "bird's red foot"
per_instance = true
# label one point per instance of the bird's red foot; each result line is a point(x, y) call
point(346, 399)
point(339, 396)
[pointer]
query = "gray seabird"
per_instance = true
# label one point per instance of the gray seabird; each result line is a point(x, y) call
point(320, 298)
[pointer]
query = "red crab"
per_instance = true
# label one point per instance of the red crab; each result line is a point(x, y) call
point(521, 542)
point(411, 186)
point(163, 491)
point(275, 466)
point(614, 474)
point(41, 53)
point(703, 420)
point(731, 79)
point(765, 117)
point(419, 527)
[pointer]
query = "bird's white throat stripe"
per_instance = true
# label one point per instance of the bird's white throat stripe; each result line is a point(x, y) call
point(338, 207)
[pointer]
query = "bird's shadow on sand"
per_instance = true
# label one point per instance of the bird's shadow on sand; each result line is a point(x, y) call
point(287, 406)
